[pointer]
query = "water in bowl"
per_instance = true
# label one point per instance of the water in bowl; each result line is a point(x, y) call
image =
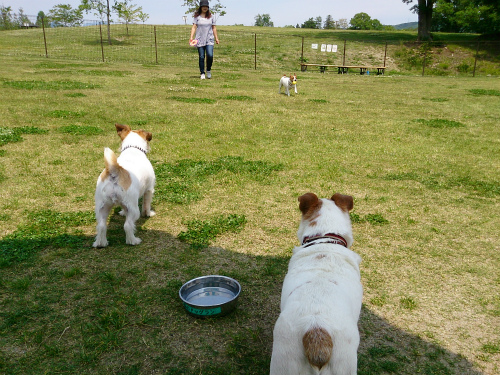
point(210, 296)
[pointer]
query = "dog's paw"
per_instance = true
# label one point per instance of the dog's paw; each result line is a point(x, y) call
point(98, 243)
point(150, 214)
point(122, 213)
point(134, 241)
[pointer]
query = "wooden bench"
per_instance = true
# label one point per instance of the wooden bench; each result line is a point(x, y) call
point(322, 67)
point(343, 69)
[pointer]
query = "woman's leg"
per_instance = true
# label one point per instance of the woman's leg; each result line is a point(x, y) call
point(201, 54)
point(210, 57)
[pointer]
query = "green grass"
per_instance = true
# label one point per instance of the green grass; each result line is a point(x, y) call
point(419, 155)
point(200, 234)
point(48, 85)
point(80, 130)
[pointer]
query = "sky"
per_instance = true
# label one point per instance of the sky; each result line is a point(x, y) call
point(241, 12)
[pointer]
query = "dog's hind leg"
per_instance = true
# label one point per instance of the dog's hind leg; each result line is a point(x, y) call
point(287, 357)
point(146, 204)
point(132, 215)
point(101, 215)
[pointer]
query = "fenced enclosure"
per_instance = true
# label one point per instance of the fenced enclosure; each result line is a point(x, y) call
point(255, 48)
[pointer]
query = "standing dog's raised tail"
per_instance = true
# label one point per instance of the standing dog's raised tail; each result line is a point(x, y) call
point(110, 160)
point(318, 347)
point(114, 171)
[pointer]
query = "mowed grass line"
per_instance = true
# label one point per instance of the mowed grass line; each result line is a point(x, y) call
point(419, 155)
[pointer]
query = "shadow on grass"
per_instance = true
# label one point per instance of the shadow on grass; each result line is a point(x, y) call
point(117, 311)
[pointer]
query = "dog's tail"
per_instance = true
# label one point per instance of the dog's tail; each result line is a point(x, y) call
point(111, 161)
point(318, 347)
point(115, 171)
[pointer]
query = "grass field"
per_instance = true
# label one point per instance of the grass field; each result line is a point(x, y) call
point(420, 156)
point(263, 48)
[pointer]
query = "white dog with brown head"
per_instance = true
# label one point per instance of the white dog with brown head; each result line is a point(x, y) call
point(123, 181)
point(317, 330)
point(289, 83)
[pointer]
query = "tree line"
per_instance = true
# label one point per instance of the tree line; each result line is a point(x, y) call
point(456, 16)
point(64, 15)
point(360, 21)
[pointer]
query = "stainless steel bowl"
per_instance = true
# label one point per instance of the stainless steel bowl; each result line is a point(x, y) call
point(210, 295)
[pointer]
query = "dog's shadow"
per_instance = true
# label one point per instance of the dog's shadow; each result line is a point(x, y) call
point(116, 221)
point(384, 348)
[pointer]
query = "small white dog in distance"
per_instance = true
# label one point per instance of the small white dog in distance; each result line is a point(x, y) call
point(317, 330)
point(288, 82)
point(124, 180)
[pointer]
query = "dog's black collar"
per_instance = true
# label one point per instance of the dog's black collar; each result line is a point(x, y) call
point(132, 146)
point(331, 237)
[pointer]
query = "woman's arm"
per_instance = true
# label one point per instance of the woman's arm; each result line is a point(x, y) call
point(215, 34)
point(193, 31)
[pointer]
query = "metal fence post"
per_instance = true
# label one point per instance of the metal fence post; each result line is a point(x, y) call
point(385, 53)
point(156, 46)
point(302, 55)
point(255, 52)
point(423, 65)
point(475, 59)
point(343, 57)
point(44, 37)
point(102, 47)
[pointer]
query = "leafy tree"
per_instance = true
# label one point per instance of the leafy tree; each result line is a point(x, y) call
point(65, 15)
point(21, 19)
point(6, 21)
point(329, 23)
point(491, 14)
point(319, 22)
point(263, 20)
point(42, 18)
point(217, 9)
point(309, 24)
point(101, 8)
point(143, 16)
point(362, 21)
point(342, 23)
point(424, 9)
point(129, 13)
point(474, 16)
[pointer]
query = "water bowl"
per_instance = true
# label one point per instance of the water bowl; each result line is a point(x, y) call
point(208, 296)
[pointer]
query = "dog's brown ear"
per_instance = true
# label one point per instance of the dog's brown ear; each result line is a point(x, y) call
point(149, 136)
point(307, 201)
point(344, 202)
point(122, 130)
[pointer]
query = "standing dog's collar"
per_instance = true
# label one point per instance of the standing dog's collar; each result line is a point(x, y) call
point(132, 146)
point(331, 237)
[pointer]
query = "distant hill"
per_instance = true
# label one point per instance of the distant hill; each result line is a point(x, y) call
point(408, 25)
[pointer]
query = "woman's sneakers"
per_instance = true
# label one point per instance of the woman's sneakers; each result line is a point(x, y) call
point(202, 76)
point(209, 75)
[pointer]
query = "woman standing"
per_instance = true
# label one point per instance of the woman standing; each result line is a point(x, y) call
point(206, 34)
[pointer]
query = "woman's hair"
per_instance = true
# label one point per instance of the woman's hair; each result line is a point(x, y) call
point(198, 12)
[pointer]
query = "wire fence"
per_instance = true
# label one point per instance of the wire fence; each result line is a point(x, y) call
point(239, 49)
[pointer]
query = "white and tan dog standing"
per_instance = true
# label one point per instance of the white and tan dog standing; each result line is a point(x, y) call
point(124, 180)
point(317, 330)
point(288, 82)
